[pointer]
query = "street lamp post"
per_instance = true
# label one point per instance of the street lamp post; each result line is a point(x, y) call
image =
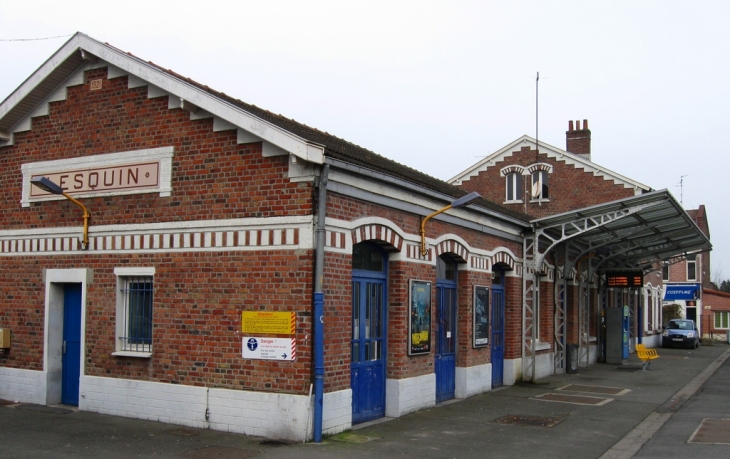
point(46, 184)
point(462, 201)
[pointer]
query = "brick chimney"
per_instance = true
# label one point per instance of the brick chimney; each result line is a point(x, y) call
point(577, 140)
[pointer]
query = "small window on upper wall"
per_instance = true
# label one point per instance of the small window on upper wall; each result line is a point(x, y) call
point(665, 271)
point(513, 182)
point(539, 181)
point(691, 270)
point(540, 189)
point(514, 187)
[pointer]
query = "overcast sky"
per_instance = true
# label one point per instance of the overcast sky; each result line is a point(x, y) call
point(438, 85)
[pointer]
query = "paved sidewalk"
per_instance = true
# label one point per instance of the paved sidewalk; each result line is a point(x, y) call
point(579, 416)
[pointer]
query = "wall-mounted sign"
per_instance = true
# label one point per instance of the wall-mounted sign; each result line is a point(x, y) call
point(681, 292)
point(419, 325)
point(136, 176)
point(481, 316)
point(275, 323)
point(256, 347)
point(625, 279)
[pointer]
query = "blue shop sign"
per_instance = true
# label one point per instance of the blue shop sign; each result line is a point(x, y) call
point(682, 292)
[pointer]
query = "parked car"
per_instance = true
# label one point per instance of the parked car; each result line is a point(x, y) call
point(681, 332)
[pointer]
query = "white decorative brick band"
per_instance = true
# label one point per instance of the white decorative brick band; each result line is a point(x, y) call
point(377, 232)
point(481, 263)
point(453, 247)
point(335, 239)
point(505, 258)
point(414, 252)
point(220, 235)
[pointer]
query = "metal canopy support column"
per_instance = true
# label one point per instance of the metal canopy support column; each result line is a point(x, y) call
point(530, 291)
point(584, 320)
point(561, 308)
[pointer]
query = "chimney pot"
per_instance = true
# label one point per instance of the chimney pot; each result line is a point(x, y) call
point(577, 140)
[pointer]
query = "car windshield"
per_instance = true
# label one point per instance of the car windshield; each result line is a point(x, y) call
point(680, 325)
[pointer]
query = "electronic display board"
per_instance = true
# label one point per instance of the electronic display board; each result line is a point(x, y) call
point(625, 279)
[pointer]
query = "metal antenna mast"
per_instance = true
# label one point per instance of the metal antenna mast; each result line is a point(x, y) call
point(681, 190)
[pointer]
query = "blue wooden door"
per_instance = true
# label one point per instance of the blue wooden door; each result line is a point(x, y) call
point(367, 368)
point(71, 359)
point(497, 333)
point(445, 359)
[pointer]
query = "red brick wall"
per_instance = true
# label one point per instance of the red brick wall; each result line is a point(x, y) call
point(569, 188)
point(198, 300)
point(198, 296)
point(213, 176)
point(717, 301)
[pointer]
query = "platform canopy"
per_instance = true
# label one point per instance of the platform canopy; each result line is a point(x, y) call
point(631, 233)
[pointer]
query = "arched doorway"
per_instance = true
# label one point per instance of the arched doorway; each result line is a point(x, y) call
point(367, 365)
point(445, 357)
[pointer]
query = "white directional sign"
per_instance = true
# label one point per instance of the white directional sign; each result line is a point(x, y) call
point(256, 347)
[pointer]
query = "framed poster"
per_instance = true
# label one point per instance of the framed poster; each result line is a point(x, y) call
point(419, 324)
point(481, 316)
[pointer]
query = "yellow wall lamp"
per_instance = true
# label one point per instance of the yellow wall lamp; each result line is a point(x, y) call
point(462, 201)
point(46, 184)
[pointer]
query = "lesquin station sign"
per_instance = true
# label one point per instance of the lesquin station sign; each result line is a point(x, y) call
point(124, 177)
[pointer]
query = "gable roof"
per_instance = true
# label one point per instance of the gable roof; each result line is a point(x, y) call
point(284, 135)
point(552, 152)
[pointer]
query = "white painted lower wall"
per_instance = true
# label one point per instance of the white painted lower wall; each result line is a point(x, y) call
point(403, 396)
point(337, 412)
point(280, 416)
point(473, 380)
point(544, 364)
point(24, 386)
point(652, 341)
point(512, 371)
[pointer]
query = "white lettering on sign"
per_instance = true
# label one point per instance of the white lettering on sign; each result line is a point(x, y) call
point(256, 347)
point(137, 176)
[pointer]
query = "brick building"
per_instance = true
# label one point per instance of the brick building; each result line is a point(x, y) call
point(556, 187)
point(686, 278)
point(716, 314)
point(238, 270)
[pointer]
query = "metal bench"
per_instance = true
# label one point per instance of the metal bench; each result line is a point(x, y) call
point(646, 356)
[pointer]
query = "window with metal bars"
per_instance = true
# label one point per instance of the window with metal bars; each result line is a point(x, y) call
point(137, 293)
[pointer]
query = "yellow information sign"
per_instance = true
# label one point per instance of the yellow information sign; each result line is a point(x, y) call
point(279, 323)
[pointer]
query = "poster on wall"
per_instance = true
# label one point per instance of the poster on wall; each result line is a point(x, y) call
point(481, 316)
point(419, 325)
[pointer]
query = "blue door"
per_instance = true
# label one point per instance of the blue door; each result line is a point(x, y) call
point(367, 369)
point(367, 364)
point(445, 363)
point(498, 329)
point(71, 359)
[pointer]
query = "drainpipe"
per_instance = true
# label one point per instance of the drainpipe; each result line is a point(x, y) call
point(318, 317)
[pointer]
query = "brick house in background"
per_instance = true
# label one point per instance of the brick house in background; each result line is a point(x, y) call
point(716, 311)
point(686, 278)
point(549, 181)
point(235, 261)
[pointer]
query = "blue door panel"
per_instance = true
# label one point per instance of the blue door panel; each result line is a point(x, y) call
point(71, 359)
point(497, 335)
point(445, 358)
point(367, 367)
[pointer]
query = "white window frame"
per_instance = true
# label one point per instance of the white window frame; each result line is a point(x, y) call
point(540, 181)
point(513, 174)
point(513, 183)
point(123, 275)
point(693, 263)
point(720, 314)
